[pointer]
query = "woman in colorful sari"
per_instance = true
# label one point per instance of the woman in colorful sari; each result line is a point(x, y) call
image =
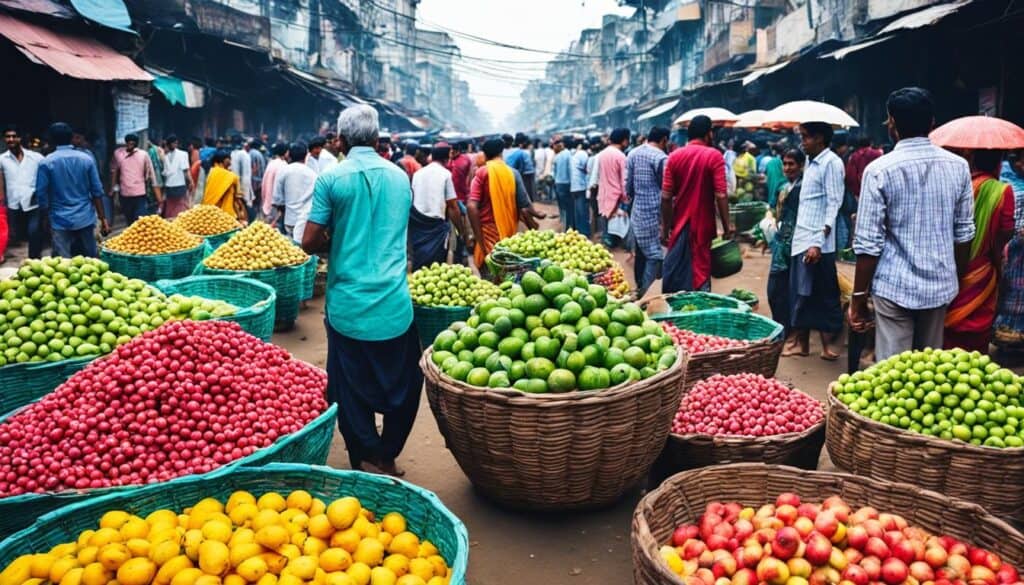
point(222, 187)
point(970, 316)
point(496, 202)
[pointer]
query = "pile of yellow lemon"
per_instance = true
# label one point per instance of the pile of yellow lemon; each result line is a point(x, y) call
point(257, 247)
point(300, 540)
point(150, 235)
point(206, 220)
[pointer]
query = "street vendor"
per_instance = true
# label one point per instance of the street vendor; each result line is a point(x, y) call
point(498, 201)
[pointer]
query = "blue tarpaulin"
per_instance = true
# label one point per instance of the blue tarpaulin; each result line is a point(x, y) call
point(109, 13)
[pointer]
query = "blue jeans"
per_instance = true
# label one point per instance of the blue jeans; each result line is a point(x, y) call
point(134, 208)
point(565, 207)
point(80, 242)
point(581, 212)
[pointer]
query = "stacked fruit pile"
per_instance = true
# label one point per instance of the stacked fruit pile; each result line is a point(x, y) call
point(151, 235)
point(952, 394)
point(553, 333)
point(185, 398)
point(745, 405)
point(58, 308)
point(614, 279)
point(570, 250)
point(206, 220)
point(257, 247)
point(449, 285)
point(270, 540)
point(792, 542)
point(697, 343)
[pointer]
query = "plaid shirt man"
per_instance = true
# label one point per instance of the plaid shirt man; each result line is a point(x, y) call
point(820, 198)
point(915, 203)
point(645, 167)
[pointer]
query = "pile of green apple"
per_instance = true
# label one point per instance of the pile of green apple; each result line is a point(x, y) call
point(553, 332)
point(60, 308)
point(952, 394)
point(449, 285)
point(570, 250)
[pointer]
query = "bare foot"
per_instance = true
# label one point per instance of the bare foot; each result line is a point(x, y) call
point(793, 348)
point(829, 355)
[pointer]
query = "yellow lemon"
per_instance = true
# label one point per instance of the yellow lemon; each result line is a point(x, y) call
point(105, 536)
point(288, 579)
point(275, 562)
point(208, 504)
point(438, 581)
point(399, 564)
point(183, 520)
point(346, 539)
point(64, 550)
point(271, 501)
point(427, 549)
point(440, 566)
point(239, 497)
point(410, 580)
point(242, 552)
point(208, 580)
point(382, 576)
point(233, 579)
point(169, 570)
point(268, 579)
point(40, 568)
point(87, 555)
point(288, 514)
point(360, 573)
point(162, 517)
point(266, 518)
point(369, 551)
point(299, 518)
point(243, 513)
point(252, 569)
point(339, 578)
point(217, 530)
point(72, 577)
point(303, 567)
point(298, 538)
point(335, 559)
point(114, 519)
point(166, 550)
point(60, 567)
point(113, 555)
point(34, 581)
point(343, 512)
point(320, 526)
point(393, 522)
point(162, 532)
point(187, 576)
point(139, 547)
point(313, 546)
point(317, 507)
point(137, 571)
point(405, 543)
point(300, 499)
point(290, 551)
point(96, 574)
point(135, 527)
point(272, 537)
point(422, 568)
point(192, 540)
point(83, 538)
point(213, 557)
point(199, 519)
point(320, 577)
point(385, 538)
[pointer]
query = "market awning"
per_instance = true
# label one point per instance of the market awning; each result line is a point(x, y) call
point(71, 55)
point(178, 91)
point(915, 20)
point(110, 13)
point(842, 53)
point(758, 73)
point(659, 110)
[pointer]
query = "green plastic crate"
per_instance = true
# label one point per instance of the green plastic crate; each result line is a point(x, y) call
point(734, 324)
point(23, 383)
point(255, 300)
point(293, 285)
point(426, 515)
point(157, 266)
point(704, 301)
point(311, 445)
point(432, 320)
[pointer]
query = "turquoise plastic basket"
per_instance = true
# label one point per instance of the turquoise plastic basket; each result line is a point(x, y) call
point(256, 301)
point(21, 384)
point(217, 240)
point(310, 445)
point(293, 285)
point(158, 266)
point(425, 514)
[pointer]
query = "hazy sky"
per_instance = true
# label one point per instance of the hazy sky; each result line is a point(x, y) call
point(548, 25)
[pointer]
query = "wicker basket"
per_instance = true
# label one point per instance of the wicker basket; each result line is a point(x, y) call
point(683, 497)
point(255, 300)
point(761, 356)
point(555, 451)
point(863, 446)
point(432, 320)
point(158, 266)
point(424, 512)
point(23, 383)
point(311, 445)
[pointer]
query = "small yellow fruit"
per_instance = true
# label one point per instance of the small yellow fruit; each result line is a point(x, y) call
point(288, 579)
point(320, 526)
point(208, 580)
point(187, 577)
point(410, 580)
point(114, 519)
point(217, 530)
point(242, 552)
point(297, 537)
point(266, 518)
point(137, 571)
point(346, 539)
point(135, 527)
point(360, 573)
point(208, 504)
point(438, 581)
point(238, 497)
point(252, 569)
point(398, 564)
point(343, 512)
point(382, 576)
point(96, 574)
point(385, 538)
point(303, 567)
point(427, 549)
point(273, 536)
point(163, 532)
point(87, 555)
point(335, 559)
point(84, 538)
point(242, 536)
point(60, 567)
point(139, 547)
point(369, 551)
point(72, 577)
point(68, 549)
point(113, 555)
point(290, 551)
point(162, 517)
point(393, 522)
point(192, 540)
point(275, 562)
point(233, 579)
point(313, 546)
point(169, 570)
point(271, 501)
point(317, 507)
point(40, 568)
point(422, 568)
point(166, 550)
point(243, 513)
point(405, 543)
point(339, 578)
point(300, 499)
point(213, 557)
point(268, 579)
point(105, 536)
point(440, 566)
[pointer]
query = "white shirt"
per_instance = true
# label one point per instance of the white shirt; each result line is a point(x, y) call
point(241, 165)
point(432, 188)
point(821, 196)
point(323, 163)
point(175, 167)
point(542, 160)
point(20, 178)
point(293, 190)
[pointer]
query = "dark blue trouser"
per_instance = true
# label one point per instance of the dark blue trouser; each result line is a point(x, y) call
point(565, 208)
point(581, 212)
point(134, 207)
point(645, 270)
point(27, 225)
point(80, 242)
point(365, 377)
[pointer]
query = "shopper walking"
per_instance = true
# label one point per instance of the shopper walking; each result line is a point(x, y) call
point(131, 171)
point(520, 159)
point(779, 298)
point(177, 179)
point(20, 167)
point(360, 215)
point(241, 165)
point(68, 186)
point(319, 158)
point(914, 230)
point(645, 172)
point(498, 201)
point(279, 153)
point(579, 212)
point(293, 193)
point(562, 167)
point(434, 204)
point(611, 185)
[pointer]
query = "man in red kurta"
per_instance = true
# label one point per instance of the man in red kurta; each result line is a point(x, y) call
point(694, 185)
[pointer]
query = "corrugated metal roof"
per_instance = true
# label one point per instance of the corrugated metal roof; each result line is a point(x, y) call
point(71, 55)
point(922, 18)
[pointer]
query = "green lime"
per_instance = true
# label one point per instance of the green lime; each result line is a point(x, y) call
point(478, 377)
point(561, 380)
point(539, 368)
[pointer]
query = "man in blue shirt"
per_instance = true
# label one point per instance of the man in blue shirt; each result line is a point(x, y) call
point(68, 188)
point(578, 188)
point(520, 159)
point(563, 178)
point(360, 213)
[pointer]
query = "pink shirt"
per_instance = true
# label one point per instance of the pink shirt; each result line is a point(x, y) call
point(611, 180)
point(267, 187)
point(133, 171)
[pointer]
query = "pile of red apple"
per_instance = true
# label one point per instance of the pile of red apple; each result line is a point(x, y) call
point(802, 543)
point(748, 405)
point(696, 343)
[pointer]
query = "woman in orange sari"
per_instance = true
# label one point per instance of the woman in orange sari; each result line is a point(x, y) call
point(222, 187)
point(970, 316)
point(494, 205)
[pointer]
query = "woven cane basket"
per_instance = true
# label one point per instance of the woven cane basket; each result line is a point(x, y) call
point(760, 356)
point(683, 497)
point(984, 475)
point(555, 451)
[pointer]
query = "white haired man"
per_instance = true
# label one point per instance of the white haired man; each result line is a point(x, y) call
point(372, 343)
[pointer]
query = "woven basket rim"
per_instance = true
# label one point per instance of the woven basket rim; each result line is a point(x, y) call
point(443, 307)
point(768, 439)
point(548, 399)
point(918, 439)
point(244, 271)
point(201, 243)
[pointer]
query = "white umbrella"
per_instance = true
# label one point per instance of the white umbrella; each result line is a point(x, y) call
point(719, 116)
point(795, 113)
point(750, 119)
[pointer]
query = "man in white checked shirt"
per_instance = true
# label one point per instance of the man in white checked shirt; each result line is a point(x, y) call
point(915, 223)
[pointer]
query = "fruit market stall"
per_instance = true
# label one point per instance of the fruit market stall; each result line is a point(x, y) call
point(209, 222)
point(949, 421)
point(554, 396)
point(751, 523)
point(443, 294)
point(190, 397)
point(283, 523)
point(153, 249)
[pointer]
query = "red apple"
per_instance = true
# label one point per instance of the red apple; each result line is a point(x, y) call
point(732, 511)
point(716, 541)
point(919, 548)
point(819, 550)
point(743, 529)
point(853, 555)
point(936, 556)
point(876, 547)
point(787, 498)
point(799, 567)
point(692, 548)
point(716, 508)
point(891, 537)
point(804, 526)
point(786, 542)
point(808, 510)
point(765, 511)
point(724, 567)
point(750, 555)
point(958, 548)
point(862, 514)
point(786, 513)
point(894, 571)
point(922, 571)
point(838, 506)
point(981, 574)
point(796, 581)
point(692, 580)
point(874, 528)
point(888, 521)
point(873, 566)
point(705, 575)
point(773, 571)
point(826, 523)
point(706, 559)
point(960, 564)
point(681, 534)
point(856, 574)
point(857, 537)
point(1007, 574)
point(724, 529)
point(744, 577)
point(723, 581)
point(708, 522)
point(903, 551)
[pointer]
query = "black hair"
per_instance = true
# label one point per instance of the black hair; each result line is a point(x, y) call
point(297, 151)
point(797, 155)
point(863, 142)
point(493, 148)
point(820, 129)
point(330, 136)
point(411, 148)
point(522, 139)
point(619, 135)
point(60, 134)
point(279, 149)
point(507, 139)
point(544, 144)
point(699, 127)
point(220, 156)
point(440, 153)
point(210, 141)
point(988, 161)
point(657, 134)
point(912, 111)
point(317, 141)
point(11, 128)
point(840, 140)
point(131, 138)
point(257, 144)
point(236, 139)
point(172, 139)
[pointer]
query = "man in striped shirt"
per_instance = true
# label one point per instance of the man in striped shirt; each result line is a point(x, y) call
point(915, 223)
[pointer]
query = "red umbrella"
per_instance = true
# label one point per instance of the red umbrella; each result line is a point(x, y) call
point(979, 132)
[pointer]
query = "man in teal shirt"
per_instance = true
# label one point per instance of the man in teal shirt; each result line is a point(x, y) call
point(360, 213)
